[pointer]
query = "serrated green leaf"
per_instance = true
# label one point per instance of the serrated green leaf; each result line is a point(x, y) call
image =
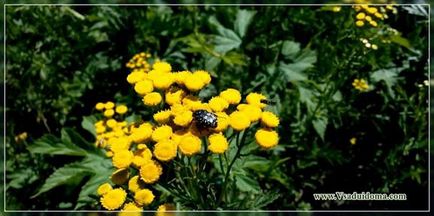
point(88, 123)
point(388, 76)
point(226, 40)
point(90, 188)
point(290, 49)
point(293, 72)
point(54, 146)
point(247, 184)
point(320, 125)
point(242, 21)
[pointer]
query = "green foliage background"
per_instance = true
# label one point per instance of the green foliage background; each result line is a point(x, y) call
point(62, 60)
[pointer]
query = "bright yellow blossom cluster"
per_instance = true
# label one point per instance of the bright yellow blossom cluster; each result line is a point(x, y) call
point(360, 84)
point(371, 14)
point(139, 150)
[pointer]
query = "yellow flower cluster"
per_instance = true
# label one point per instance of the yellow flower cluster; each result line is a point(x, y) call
point(360, 84)
point(139, 62)
point(140, 149)
point(371, 14)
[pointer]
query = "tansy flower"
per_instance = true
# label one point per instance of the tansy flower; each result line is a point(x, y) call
point(162, 116)
point(144, 87)
point(218, 104)
point(120, 176)
point(239, 120)
point(100, 106)
point(266, 138)
point(184, 118)
point(190, 145)
point(217, 143)
point(135, 184)
point(361, 16)
point(144, 197)
point(360, 84)
point(100, 129)
point(180, 77)
point(162, 210)
point(135, 77)
point(121, 109)
point(111, 123)
point(130, 209)
point(104, 188)
point(123, 159)
point(373, 23)
point(139, 160)
point(256, 99)
point(109, 113)
point(161, 133)
point(360, 23)
point(269, 119)
point(353, 141)
point(119, 144)
point(194, 82)
point(368, 18)
point(150, 172)
point(109, 105)
point(163, 81)
point(203, 75)
point(162, 66)
point(222, 121)
point(165, 150)
point(174, 96)
point(152, 99)
point(232, 96)
point(142, 133)
point(253, 112)
point(113, 199)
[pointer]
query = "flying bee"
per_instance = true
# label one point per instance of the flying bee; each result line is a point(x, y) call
point(205, 119)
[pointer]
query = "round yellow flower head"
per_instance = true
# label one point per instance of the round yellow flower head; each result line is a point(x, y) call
point(163, 81)
point(161, 133)
point(120, 176)
point(144, 87)
point(111, 123)
point(109, 113)
point(119, 144)
point(180, 77)
point(162, 116)
point(232, 96)
point(183, 119)
point(178, 109)
point(131, 209)
point(360, 23)
point(109, 105)
point(239, 120)
point(123, 159)
point(150, 172)
point(100, 129)
point(144, 197)
point(162, 66)
point(138, 160)
point(266, 138)
point(373, 23)
point(152, 99)
point(135, 184)
point(174, 96)
point(194, 82)
point(361, 15)
point(142, 133)
point(165, 150)
point(204, 76)
point(190, 145)
point(218, 104)
point(136, 76)
point(269, 119)
point(104, 188)
point(222, 121)
point(113, 199)
point(256, 99)
point(368, 18)
point(162, 210)
point(253, 112)
point(217, 143)
point(99, 106)
point(121, 109)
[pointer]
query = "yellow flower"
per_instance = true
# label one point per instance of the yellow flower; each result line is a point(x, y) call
point(113, 199)
point(100, 129)
point(218, 104)
point(353, 140)
point(266, 138)
point(130, 209)
point(121, 109)
point(161, 133)
point(152, 99)
point(256, 99)
point(120, 176)
point(138, 160)
point(190, 145)
point(372, 10)
point(180, 77)
point(111, 123)
point(119, 144)
point(104, 188)
point(253, 112)
point(361, 15)
point(150, 172)
point(217, 143)
point(222, 121)
point(100, 106)
point(122, 159)
point(374, 47)
point(136, 76)
point(135, 184)
point(162, 210)
point(162, 66)
point(203, 75)
point(232, 96)
point(360, 84)
point(109, 113)
point(184, 118)
point(360, 23)
point(144, 197)
point(163, 81)
point(162, 116)
point(368, 18)
point(174, 96)
point(178, 109)
point(269, 119)
point(144, 87)
point(373, 23)
point(142, 133)
point(239, 120)
point(194, 82)
point(165, 150)
point(109, 105)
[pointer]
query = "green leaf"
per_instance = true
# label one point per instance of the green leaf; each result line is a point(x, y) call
point(401, 41)
point(388, 76)
point(51, 145)
point(320, 125)
point(247, 184)
point(293, 72)
point(61, 176)
point(290, 49)
point(88, 123)
point(242, 22)
point(226, 40)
